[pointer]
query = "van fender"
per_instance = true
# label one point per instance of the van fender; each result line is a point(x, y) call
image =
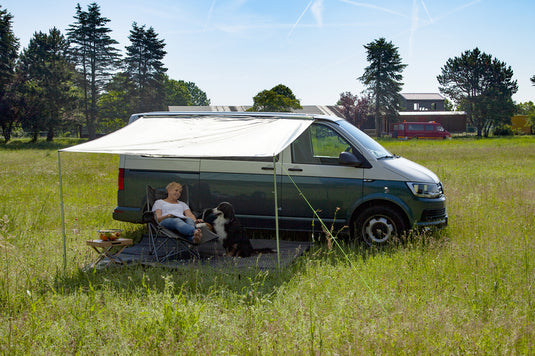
point(380, 199)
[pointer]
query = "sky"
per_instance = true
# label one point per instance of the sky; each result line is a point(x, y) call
point(233, 49)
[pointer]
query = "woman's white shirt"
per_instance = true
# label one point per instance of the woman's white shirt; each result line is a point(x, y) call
point(169, 208)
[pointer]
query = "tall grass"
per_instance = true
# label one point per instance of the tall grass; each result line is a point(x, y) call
point(468, 289)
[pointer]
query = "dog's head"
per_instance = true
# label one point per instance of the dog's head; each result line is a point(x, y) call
point(207, 214)
point(226, 209)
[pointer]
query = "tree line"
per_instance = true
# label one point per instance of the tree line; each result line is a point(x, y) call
point(478, 84)
point(79, 81)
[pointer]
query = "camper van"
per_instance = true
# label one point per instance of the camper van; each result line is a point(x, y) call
point(428, 130)
point(346, 177)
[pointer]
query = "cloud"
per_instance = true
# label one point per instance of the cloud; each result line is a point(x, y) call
point(414, 24)
point(374, 7)
point(426, 11)
point(209, 17)
point(317, 11)
point(316, 7)
point(299, 19)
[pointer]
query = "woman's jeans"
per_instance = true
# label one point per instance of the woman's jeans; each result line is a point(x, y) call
point(185, 226)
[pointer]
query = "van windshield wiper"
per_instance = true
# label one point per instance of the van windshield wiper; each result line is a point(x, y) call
point(388, 156)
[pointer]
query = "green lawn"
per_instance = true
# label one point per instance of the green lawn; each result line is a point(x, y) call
point(466, 290)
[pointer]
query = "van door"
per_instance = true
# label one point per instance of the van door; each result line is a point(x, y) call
point(245, 182)
point(136, 172)
point(313, 164)
point(430, 131)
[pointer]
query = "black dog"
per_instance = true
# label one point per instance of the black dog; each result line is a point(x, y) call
point(227, 226)
point(208, 217)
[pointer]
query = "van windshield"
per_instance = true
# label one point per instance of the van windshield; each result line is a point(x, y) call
point(366, 141)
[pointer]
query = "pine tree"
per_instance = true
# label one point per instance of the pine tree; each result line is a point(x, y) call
point(9, 46)
point(145, 68)
point(383, 78)
point(47, 77)
point(94, 53)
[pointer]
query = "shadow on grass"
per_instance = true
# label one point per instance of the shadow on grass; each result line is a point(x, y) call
point(247, 284)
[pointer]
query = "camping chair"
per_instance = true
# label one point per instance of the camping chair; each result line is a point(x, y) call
point(160, 238)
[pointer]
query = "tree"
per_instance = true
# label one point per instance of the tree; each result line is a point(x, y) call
point(280, 98)
point(355, 110)
point(363, 111)
point(347, 103)
point(383, 79)
point(116, 104)
point(198, 97)
point(93, 51)
point(48, 77)
point(448, 105)
point(145, 68)
point(181, 93)
point(482, 86)
point(527, 108)
point(9, 46)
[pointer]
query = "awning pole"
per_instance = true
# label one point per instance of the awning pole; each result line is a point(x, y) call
point(62, 213)
point(276, 213)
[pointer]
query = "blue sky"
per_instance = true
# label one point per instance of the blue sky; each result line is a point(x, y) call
point(233, 49)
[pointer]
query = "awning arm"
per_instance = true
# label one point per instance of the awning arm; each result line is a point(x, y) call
point(62, 213)
point(276, 213)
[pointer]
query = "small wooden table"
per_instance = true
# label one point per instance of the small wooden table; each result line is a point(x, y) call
point(103, 248)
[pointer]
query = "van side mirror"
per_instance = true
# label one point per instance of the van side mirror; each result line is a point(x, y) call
point(349, 159)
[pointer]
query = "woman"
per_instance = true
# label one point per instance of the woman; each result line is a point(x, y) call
point(176, 215)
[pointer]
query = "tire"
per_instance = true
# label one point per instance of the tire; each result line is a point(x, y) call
point(378, 225)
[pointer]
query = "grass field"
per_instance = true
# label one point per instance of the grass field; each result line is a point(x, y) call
point(467, 290)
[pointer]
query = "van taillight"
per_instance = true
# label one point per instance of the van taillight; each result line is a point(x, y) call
point(121, 179)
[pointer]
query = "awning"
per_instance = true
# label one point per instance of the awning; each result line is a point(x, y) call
point(198, 136)
point(213, 136)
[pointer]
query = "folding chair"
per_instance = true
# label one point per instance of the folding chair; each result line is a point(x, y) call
point(165, 243)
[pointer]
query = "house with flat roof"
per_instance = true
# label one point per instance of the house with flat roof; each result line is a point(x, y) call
point(425, 107)
point(422, 102)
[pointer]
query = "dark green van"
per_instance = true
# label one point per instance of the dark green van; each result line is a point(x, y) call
point(346, 176)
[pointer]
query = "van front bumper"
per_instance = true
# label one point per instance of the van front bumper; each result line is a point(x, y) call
point(433, 218)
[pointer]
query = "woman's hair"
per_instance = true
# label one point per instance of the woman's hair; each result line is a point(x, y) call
point(173, 185)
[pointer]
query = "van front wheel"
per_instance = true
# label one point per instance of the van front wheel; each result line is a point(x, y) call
point(377, 225)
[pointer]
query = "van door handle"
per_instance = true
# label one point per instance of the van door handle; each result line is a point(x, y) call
point(267, 168)
point(295, 169)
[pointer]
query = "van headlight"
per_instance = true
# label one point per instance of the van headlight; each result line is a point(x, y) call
point(426, 190)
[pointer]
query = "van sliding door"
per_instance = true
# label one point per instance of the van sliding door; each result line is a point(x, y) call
point(246, 183)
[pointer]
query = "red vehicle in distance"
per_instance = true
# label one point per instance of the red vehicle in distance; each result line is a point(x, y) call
point(428, 130)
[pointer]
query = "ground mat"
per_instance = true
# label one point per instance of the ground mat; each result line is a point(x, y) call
point(212, 254)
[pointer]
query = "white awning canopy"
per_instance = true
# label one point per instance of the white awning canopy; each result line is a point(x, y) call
point(198, 136)
point(203, 136)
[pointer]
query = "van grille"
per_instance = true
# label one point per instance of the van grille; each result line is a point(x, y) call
point(433, 214)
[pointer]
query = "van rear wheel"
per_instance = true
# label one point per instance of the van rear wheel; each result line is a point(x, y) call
point(378, 225)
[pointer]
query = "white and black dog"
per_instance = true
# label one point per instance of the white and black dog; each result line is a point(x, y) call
point(224, 223)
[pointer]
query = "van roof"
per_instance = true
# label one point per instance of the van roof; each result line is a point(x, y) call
point(282, 115)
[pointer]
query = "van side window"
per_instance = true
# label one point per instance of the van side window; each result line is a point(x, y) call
point(429, 127)
point(319, 144)
point(416, 127)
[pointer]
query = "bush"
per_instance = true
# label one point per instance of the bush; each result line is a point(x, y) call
point(505, 130)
